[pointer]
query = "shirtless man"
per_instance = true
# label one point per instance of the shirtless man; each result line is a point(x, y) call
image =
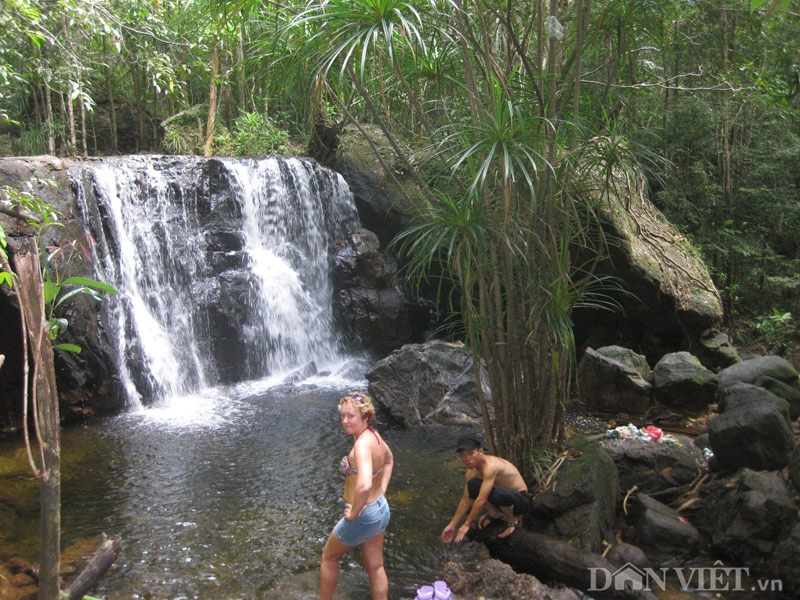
point(491, 482)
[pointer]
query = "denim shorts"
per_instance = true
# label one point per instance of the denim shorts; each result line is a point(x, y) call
point(373, 520)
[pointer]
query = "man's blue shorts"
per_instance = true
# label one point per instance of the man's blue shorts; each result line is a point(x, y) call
point(373, 520)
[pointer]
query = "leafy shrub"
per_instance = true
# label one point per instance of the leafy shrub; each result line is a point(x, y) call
point(177, 140)
point(256, 134)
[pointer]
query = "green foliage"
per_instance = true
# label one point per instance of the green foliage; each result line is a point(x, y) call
point(31, 142)
point(253, 134)
point(183, 132)
point(177, 140)
point(6, 277)
point(776, 332)
point(774, 325)
point(544, 466)
point(58, 286)
point(30, 207)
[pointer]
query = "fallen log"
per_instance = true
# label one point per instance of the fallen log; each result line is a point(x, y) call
point(549, 559)
point(104, 556)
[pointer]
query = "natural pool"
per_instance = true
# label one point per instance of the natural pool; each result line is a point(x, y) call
point(232, 493)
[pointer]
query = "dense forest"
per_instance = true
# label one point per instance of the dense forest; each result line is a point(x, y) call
point(513, 117)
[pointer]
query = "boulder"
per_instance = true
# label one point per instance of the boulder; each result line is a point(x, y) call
point(752, 430)
point(782, 390)
point(369, 165)
point(610, 380)
point(794, 468)
point(748, 371)
point(661, 532)
point(671, 300)
point(656, 468)
point(745, 515)
point(581, 508)
point(492, 578)
point(427, 384)
point(715, 350)
point(680, 380)
point(623, 553)
point(783, 565)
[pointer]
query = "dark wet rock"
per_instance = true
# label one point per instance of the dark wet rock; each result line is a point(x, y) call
point(680, 380)
point(623, 553)
point(782, 390)
point(370, 309)
point(492, 578)
point(612, 381)
point(664, 468)
point(746, 515)
point(753, 429)
point(748, 371)
point(661, 532)
point(715, 350)
point(794, 468)
point(783, 565)
point(428, 383)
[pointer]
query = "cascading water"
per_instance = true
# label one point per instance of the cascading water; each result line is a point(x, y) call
point(223, 480)
point(221, 265)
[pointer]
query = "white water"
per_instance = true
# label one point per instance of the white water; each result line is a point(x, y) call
point(161, 232)
point(287, 242)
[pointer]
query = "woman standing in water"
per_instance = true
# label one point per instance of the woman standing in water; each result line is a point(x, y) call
point(368, 469)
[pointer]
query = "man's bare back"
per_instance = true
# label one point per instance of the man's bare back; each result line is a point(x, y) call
point(504, 473)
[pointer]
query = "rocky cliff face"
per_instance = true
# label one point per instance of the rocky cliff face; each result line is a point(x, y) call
point(87, 382)
point(672, 305)
point(176, 235)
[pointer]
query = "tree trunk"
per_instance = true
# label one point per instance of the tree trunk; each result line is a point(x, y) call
point(549, 559)
point(73, 136)
point(45, 402)
point(138, 93)
point(212, 102)
point(84, 142)
point(245, 98)
point(112, 112)
point(48, 116)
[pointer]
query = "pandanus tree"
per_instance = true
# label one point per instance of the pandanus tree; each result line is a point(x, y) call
point(503, 222)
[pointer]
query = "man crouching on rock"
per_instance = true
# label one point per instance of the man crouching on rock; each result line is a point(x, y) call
point(491, 482)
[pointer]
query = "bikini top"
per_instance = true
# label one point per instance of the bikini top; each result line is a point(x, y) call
point(348, 469)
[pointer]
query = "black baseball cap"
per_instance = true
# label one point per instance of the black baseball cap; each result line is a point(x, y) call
point(468, 442)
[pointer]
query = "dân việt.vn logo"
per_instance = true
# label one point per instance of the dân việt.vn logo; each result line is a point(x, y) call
point(714, 579)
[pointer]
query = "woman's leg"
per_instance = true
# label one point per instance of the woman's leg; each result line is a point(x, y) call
point(372, 551)
point(329, 567)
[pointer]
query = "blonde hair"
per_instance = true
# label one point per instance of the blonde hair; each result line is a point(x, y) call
point(362, 402)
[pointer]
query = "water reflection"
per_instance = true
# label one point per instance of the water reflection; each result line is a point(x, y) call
point(233, 496)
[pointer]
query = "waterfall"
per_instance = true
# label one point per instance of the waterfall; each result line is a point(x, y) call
point(222, 266)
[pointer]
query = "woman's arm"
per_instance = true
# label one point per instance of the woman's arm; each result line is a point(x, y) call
point(388, 465)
